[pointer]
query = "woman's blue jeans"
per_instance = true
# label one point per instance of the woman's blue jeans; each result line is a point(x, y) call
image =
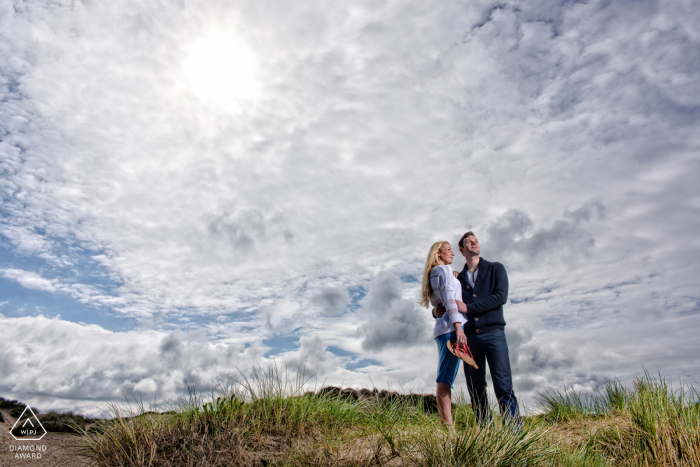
point(491, 346)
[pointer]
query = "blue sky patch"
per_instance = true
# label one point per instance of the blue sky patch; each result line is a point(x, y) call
point(281, 343)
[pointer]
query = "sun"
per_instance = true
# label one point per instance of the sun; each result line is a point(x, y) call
point(222, 70)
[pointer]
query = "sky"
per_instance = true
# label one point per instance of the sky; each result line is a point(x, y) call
point(191, 188)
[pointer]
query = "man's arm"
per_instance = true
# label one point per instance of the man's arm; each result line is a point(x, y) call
point(499, 296)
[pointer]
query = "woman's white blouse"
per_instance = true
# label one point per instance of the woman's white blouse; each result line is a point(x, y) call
point(446, 290)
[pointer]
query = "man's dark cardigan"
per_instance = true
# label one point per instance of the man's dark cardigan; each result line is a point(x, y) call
point(485, 302)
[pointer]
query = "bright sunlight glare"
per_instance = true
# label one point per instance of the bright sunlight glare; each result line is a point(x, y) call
point(222, 70)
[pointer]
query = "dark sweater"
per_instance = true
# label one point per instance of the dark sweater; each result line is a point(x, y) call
point(485, 302)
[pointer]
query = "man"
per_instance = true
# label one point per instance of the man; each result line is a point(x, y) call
point(485, 291)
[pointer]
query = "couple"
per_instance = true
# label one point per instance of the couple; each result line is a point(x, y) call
point(469, 311)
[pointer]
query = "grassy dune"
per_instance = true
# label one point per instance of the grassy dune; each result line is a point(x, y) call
point(265, 418)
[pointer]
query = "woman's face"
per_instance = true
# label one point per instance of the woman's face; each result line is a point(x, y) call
point(446, 254)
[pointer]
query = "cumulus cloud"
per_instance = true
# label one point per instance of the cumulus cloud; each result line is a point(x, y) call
point(394, 321)
point(146, 386)
point(538, 365)
point(513, 235)
point(56, 358)
point(331, 300)
point(312, 357)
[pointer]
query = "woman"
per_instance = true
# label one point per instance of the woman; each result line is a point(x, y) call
point(440, 287)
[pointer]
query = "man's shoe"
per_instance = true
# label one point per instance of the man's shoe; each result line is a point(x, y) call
point(462, 352)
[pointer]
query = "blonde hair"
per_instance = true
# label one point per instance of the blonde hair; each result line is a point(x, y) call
point(431, 261)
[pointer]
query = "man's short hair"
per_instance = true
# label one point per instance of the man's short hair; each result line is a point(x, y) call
point(468, 234)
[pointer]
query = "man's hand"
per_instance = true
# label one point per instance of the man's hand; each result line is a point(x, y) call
point(456, 274)
point(438, 311)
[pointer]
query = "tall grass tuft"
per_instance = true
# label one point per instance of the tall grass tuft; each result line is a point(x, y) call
point(564, 405)
point(276, 403)
point(666, 421)
point(499, 443)
point(649, 424)
point(612, 397)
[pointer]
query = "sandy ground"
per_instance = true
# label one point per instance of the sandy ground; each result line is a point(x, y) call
point(54, 449)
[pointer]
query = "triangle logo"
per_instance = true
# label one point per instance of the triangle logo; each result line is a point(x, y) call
point(28, 427)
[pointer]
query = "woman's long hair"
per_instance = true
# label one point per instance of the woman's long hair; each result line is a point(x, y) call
point(426, 290)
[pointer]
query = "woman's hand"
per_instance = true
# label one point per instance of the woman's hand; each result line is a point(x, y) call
point(461, 306)
point(461, 337)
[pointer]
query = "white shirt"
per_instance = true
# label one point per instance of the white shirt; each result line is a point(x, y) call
point(471, 276)
point(446, 291)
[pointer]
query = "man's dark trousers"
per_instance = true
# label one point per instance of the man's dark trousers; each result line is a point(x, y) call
point(491, 346)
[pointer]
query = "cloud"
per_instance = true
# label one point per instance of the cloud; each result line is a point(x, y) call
point(83, 293)
point(393, 321)
point(312, 357)
point(29, 279)
point(146, 385)
point(239, 231)
point(280, 317)
point(513, 236)
point(56, 358)
point(199, 206)
point(331, 300)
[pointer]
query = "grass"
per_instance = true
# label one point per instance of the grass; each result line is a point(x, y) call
point(495, 444)
point(64, 422)
point(648, 424)
point(265, 418)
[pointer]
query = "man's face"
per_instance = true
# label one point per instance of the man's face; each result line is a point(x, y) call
point(470, 247)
